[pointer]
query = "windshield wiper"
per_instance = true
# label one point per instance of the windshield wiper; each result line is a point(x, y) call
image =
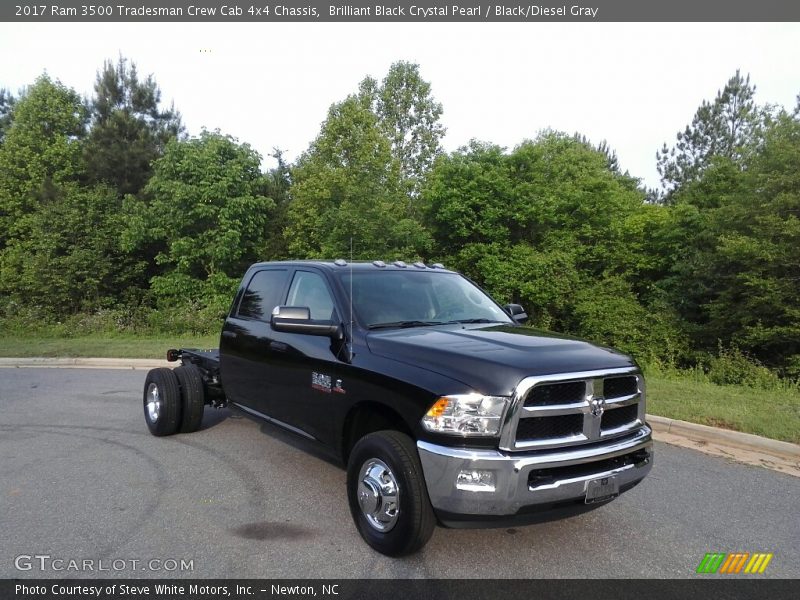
point(404, 324)
point(481, 320)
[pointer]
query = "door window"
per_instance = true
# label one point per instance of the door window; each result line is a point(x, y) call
point(263, 293)
point(309, 289)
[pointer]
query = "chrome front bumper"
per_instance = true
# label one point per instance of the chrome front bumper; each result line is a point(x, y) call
point(561, 475)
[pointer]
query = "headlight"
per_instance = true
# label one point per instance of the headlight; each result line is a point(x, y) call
point(466, 414)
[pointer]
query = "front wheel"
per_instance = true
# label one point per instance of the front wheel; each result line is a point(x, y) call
point(162, 401)
point(387, 494)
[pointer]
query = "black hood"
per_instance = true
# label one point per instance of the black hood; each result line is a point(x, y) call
point(492, 360)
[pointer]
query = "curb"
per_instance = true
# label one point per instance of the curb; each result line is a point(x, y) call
point(726, 437)
point(84, 363)
point(692, 431)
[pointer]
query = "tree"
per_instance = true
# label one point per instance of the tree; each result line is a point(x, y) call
point(609, 311)
point(554, 226)
point(347, 186)
point(409, 116)
point(60, 248)
point(6, 105)
point(755, 264)
point(278, 182)
point(725, 257)
point(129, 129)
point(727, 127)
point(467, 198)
point(41, 153)
point(603, 147)
point(205, 215)
point(69, 260)
point(550, 192)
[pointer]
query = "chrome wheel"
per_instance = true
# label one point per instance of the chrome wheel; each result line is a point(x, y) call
point(378, 495)
point(153, 402)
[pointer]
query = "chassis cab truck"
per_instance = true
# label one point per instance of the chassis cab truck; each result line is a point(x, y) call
point(442, 406)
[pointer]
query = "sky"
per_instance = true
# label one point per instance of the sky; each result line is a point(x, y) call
point(634, 85)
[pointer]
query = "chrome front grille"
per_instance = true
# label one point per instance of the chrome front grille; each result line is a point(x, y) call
point(568, 409)
point(617, 387)
point(543, 428)
point(571, 392)
point(621, 417)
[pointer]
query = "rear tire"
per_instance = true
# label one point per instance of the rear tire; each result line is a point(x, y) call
point(193, 396)
point(387, 494)
point(162, 401)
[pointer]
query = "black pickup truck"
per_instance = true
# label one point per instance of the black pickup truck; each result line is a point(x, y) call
point(441, 405)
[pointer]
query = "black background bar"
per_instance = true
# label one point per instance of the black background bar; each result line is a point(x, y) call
point(702, 587)
point(405, 11)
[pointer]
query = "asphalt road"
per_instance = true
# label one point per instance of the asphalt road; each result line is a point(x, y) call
point(82, 479)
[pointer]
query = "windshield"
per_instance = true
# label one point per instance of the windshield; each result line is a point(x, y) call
point(419, 298)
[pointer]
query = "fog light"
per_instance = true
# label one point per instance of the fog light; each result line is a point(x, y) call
point(472, 480)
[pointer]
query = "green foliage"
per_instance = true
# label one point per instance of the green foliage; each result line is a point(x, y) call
point(609, 311)
point(544, 282)
point(347, 186)
point(554, 226)
point(732, 367)
point(205, 214)
point(59, 249)
point(792, 367)
point(278, 182)
point(24, 320)
point(603, 147)
point(756, 266)
point(408, 116)
point(466, 199)
point(41, 152)
point(733, 242)
point(727, 127)
point(70, 261)
point(726, 258)
point(129, 129)
point(554, 192)
point(130, 227)
point(7, 102)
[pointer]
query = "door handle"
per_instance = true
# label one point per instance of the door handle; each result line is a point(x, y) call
point(278, 346)
point(230, 334)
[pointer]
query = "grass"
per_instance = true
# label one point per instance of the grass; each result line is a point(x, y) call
point(102, 346)
point(770, 413)
point(677, 395)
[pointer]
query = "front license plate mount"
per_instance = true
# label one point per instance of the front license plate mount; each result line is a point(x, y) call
point(601, 489)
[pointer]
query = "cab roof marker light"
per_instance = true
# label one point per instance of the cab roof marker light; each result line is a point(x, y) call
point(340, 262)
point(400, 263)
point(379, 263)
point(437, 266)
point(420, 265)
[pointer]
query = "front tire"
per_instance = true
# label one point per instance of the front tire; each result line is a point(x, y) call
point(162, 401)
point(387, 494)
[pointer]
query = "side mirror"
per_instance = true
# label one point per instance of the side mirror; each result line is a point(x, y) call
point(516, 312)
point(297, 319)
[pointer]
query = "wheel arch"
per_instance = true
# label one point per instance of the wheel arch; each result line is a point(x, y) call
point(367, 417)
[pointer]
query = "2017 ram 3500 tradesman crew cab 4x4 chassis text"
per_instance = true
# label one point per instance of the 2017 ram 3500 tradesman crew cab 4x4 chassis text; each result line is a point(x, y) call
point(440, 404)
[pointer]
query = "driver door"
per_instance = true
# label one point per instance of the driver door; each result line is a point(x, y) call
point(305, 367)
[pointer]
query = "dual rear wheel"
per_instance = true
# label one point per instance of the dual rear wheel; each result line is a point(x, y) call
point(174, 400)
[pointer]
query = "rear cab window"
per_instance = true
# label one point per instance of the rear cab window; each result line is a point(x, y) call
point(264, 292)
